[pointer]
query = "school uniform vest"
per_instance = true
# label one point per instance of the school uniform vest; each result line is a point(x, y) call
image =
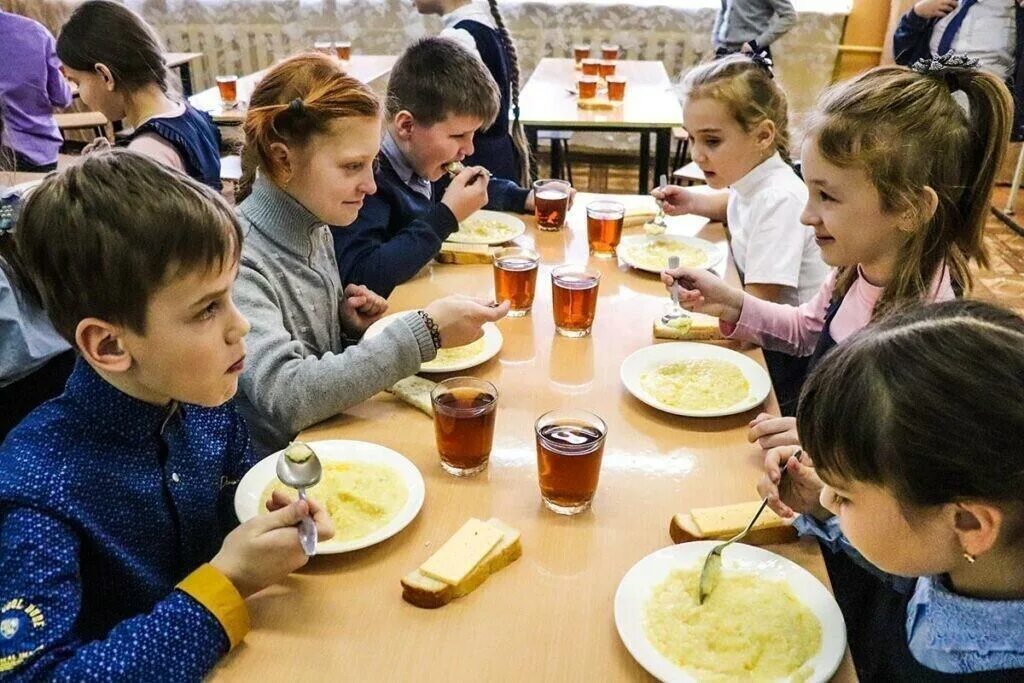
point(196, 139)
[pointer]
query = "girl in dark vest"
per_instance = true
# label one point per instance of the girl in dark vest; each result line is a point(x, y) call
point(915, 487)
point(479, 27)
point(116, 60)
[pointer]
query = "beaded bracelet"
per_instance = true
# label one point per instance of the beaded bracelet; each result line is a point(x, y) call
point(435, 332)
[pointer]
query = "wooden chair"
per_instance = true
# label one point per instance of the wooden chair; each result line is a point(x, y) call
point(682, 139)
point(82, 120)
point(689, 175)
point(561, 166)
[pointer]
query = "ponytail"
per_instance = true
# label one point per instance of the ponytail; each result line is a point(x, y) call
point(297, 99)
point(518, 134)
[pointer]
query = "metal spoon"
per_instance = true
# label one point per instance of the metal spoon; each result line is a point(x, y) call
point(713, 562)
point(299, 468)
point(659, 219)
point(677, 310)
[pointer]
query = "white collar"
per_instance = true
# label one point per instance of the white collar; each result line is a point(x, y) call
point(475, 11)
point(751, 182)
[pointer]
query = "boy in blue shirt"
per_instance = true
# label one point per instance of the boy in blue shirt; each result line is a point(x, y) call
point(117, 555)
point(439, 95)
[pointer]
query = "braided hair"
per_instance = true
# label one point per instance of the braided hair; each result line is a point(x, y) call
point(518, 134)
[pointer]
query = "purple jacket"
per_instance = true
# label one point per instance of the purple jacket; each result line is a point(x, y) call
point(31, 85)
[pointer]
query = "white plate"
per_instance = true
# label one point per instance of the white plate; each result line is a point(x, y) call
point(492, 345)
point(250, 489)
point(714, 254)
point(636, 586)
point(650, 357)
point(516, 226)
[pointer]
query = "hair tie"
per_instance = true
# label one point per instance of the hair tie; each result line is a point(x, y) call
point(297, 106)
point(762, 60)
point(945, 66)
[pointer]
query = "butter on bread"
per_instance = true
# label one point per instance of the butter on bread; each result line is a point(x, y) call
point(724, 522)
point(637, 216)
point(453, 252)
point(462, 563)
point(694, 327)
point(416, 392)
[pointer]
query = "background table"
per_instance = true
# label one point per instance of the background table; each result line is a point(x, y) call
point(367, 68)
point(548, 616)
point(651, 106)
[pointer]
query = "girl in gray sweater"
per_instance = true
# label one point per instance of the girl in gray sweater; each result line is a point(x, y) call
point(314, 132)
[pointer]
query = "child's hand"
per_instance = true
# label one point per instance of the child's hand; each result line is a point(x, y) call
point(934, 9)
point(676, 200)
point(362, 307)
point(266, 549)
point(459, 318)
point(531, 204)
point(800, 492)
point(770, 431)
point(467, 192)
point(701, 290)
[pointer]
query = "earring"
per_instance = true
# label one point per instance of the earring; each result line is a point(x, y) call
point(970, 558)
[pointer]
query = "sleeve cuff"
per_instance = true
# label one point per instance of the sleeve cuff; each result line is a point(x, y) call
point(216, 593)
point(445, 222)
point(419, 330)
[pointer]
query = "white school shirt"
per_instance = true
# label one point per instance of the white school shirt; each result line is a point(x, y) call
point(769, 243)
point(476, 11)
point(988, 34)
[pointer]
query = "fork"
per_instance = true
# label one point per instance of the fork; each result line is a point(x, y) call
point(677, 311)
point(713, 562)
point(658, 225)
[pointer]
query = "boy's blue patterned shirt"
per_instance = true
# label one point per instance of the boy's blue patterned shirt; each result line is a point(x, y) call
point(107, 502)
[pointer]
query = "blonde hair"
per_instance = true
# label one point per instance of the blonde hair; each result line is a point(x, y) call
point(906, 131)
point(747, 89)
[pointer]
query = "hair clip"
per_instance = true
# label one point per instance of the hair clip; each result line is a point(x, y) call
point(297, 106)
point(951, 61)
point(762, 60)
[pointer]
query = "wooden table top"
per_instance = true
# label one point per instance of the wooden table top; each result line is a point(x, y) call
point(549, 615)
point(367, 68)
point(176, 59)
point(650, 102)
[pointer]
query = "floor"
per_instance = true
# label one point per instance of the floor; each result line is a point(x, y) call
point(1002, 282)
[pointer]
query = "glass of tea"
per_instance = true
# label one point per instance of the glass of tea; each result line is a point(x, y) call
point(550, 203)
point(591, 67)
point(324, 46)
point(616, 88)
point(464, 411)
point(587, 87)
point(227, 86)
point(515, 278)
point(580, 52)
point(606, 68)
point(574, 299)
point(343, 50)
point(604, 227)
point(570, 444)
point(609, 51)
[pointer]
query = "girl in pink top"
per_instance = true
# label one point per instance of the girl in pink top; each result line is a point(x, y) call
point(899, 178)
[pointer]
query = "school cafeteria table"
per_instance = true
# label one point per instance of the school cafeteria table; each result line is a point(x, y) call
point(367, 68)
point(548, 102)
point(548, 616)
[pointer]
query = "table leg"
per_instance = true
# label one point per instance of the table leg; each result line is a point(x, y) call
point(557, 159)
point(662, 145)
point(531, 139)
point(645, 163)
point(185, 71)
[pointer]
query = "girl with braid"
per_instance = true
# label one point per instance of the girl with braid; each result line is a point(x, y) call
point(479, 27)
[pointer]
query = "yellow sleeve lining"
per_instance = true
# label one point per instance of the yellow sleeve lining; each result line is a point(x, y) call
point(215, 592)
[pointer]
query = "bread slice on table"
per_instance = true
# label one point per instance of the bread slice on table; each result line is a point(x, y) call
point(724, 522)
point(454, 252)
point(693, 327)
point(416, 392)
point(429, 592)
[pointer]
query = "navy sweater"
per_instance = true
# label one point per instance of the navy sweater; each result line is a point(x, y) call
point(195, 137)
point(398, 230)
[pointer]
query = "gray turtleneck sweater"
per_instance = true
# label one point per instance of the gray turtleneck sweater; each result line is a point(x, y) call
point(300, 369)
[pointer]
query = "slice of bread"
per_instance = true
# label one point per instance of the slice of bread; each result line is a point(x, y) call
point(453, 252)
point(416, 392)
point(424, 591)
point(695, 327)
point(722, 523)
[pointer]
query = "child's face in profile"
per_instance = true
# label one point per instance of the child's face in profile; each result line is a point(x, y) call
point(192, 350)
point(429, 148)
point(97, 92)
point(332, 174)
point(845, 210)
point(878, 527)
point(719, 145)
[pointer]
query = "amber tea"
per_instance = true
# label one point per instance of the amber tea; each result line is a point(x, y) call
point(227, 86)
point(570, 445)
point(464, 412)
point(616, 88)
point(574, 299)
point(551, 203)
point(604, 227)
point(515, 279)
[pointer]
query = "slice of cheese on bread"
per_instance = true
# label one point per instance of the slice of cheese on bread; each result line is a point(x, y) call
point(465, 561)
point(692, 327)
point(454, 252)
point(722, 523)
point(416, 392)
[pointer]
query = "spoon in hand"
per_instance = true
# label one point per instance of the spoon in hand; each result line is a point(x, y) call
point(299, 468)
